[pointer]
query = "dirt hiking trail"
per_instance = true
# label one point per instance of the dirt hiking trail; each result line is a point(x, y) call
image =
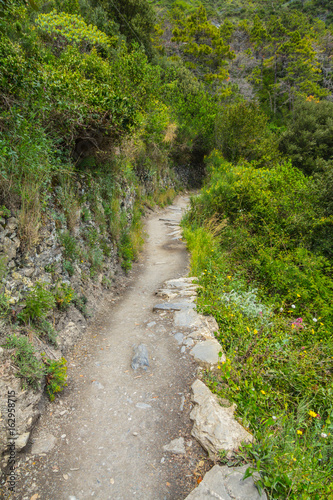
point(103, 437)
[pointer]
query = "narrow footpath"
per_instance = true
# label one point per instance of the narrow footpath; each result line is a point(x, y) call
point(103, 437)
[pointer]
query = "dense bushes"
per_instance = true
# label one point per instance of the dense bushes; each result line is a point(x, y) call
point(271, 229)
point(241, 132)
point(252, 233)
point(308, 139)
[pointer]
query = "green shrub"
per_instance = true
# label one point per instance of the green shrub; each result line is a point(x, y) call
point(45, 328)
point(125, 251)
point(96, 259)
point(80, 302)
point(72, 28)
point(251, 236)
point(56, 376)
point(241, 132)
point(63, 295)
point(69, 243)
point(30, 370)
point(4, 307)
point(68, 267)
point(309, 135)
point(39, 302)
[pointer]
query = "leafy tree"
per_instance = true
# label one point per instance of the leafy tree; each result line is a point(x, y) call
point(241, 132)
point(203, 46)
point(289, 66)
point(308, 140)
point(136, 20)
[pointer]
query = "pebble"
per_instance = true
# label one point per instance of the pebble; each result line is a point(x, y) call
point(179, 337)
point(142, 405)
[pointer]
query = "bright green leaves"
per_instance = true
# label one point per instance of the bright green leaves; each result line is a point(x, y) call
point(72, 28)
point(203, 46)
point(287, 54)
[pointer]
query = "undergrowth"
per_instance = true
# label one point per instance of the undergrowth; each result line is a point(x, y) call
point(251, 245)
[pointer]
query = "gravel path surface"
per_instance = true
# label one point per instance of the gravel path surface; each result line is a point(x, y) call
point(104, 435)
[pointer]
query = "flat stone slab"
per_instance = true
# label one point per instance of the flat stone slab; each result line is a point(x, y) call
point(180, 283)
point(226, 483)
point(176, 446)
point(43, 444)
point(207, 352)
point(174, 306)
point(215, 427)
point(187, 318)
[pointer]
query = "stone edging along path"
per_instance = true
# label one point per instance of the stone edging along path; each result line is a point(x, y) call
point(214, 426)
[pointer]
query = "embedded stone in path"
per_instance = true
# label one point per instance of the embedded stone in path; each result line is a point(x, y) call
point(140, 358)
point(174, 306)
point(179, 337)
point(43, 444)
point(215, 427)
point(226, 483)
point(176, 446)
point(207, 352)
point(180, 283)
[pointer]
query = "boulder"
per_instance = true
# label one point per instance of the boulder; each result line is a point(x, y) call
point(226, 483)
point(215, 427)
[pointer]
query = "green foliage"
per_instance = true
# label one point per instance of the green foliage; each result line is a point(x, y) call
point(125, 251)
point(4, 307)
point(136, 20)
point(68, 266)
point(250, 233)
point(45, 328)
point(203, 46)
point(241, 132)
point(38, 303)
point(96, 258)
point(56, 376)
point(71, 28)
point(64, 295)
point(30, 369)
point(3, 267)
point(69, 243)
point(308, 138)
point(80, 302)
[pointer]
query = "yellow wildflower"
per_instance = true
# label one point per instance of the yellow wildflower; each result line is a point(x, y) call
point(312, 414)
point(299, 432)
